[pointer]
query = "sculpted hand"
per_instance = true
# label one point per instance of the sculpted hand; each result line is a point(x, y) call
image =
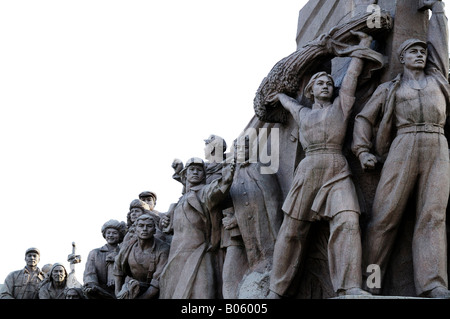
point(365, 40)
point(228, 172)
point(229, 222)
point(177, 165)
point(367, 160)
point(74, 259)
point(165, 221)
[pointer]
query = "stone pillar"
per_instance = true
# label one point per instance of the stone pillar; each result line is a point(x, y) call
point(319, 16)
point(409, 22)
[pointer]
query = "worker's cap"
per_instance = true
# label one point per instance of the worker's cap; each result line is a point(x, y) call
point(193, 161)
point(147, 194)
point(32, 250)
point(137, 203)
point(409, 43)
point(190, 162)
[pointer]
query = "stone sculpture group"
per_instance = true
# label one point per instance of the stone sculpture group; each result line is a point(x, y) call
point(329, 229)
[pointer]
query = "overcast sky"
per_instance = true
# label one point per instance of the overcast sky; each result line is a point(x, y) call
point(98, 97)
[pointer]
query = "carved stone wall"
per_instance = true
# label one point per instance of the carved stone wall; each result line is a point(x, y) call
point(319, 17)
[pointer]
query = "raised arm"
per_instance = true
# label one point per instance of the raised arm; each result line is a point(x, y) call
point(350, 80)
point(437, 37)
point(291, 105)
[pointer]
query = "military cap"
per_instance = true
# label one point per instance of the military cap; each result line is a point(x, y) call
point(32, 250)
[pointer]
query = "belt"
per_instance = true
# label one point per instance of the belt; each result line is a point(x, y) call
point(327, 148)
point(423, 128)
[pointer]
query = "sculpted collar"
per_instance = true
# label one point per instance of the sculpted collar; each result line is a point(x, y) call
point(196, 187)
point(27, 270)
point(318, 106)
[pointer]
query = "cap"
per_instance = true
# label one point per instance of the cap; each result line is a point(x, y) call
point(137, 203)
point(115, 224)
point(192, 161)
point(409, 43)
point(32, 250)
point(147, 194)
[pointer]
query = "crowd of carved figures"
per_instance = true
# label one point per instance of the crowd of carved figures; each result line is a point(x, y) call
point(232, 226)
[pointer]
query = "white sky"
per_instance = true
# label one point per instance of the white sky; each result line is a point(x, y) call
point(98, 97)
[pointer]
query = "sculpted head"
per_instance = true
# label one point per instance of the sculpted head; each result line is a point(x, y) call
point(145, 227)
point(320, 87)
point(149, 198)
point(137, 208)
point(32, 257)
point(413, 54)
point(242, 149)
point(194, 171)
point(113, 231)
point(58, 273)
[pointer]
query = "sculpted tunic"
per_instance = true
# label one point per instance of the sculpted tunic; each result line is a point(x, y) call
point(256, 201)
point(22, 284)
point(47, 291)
point(96, 268)
point(190, 271)
point(322, 186)
point(127, 261)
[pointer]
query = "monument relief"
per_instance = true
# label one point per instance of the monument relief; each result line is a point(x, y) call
point(338, 187)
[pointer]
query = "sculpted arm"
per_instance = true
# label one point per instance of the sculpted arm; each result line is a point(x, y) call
point(350, 80)
point(215, 192)
point(437, 37)
point(365, 122)
point(7, 291)
point(165, 222)
point(119, 276)
point(291, 105)
point(90, 275)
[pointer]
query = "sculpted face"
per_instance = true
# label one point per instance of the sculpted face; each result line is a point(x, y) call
point(145, 228)
point(415, 57)
point(150, 201)
point(58, 274)
point(32, 259)
point(242, 150)
point(323, 88)
point(135, 213)
point(112, 236)
point(195, 174)
point(72, 294)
